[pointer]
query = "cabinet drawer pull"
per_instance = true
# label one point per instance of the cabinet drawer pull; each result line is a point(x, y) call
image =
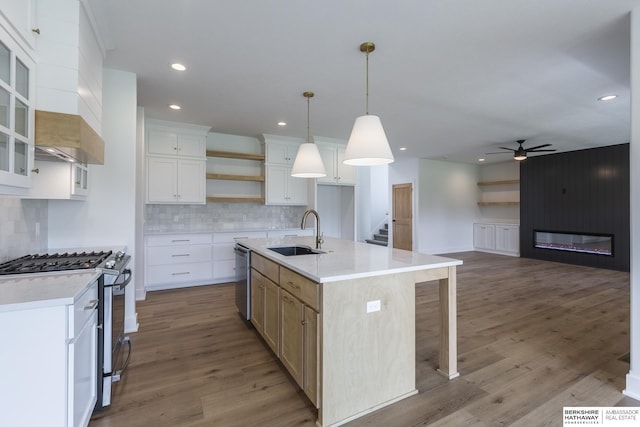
point(92, 304)
point(180, 274)
point(180, 240)
point(287, 299)
point(293, 285)
point(177, 255)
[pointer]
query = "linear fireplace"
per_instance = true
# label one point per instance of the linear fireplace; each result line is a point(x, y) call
point(599, 244)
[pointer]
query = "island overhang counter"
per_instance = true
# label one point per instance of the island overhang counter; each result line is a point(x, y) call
point(365, 332)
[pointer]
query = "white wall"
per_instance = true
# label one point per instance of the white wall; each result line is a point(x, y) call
point(633, 377)
point(336, 207)
point(447, 206)
point(372, 194)
point(107, 217)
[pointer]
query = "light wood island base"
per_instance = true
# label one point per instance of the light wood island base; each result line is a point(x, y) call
point(347, 322)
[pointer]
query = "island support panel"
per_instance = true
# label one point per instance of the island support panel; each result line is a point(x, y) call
point(368, 359)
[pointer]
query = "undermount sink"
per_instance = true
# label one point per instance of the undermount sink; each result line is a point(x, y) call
point(295, 250)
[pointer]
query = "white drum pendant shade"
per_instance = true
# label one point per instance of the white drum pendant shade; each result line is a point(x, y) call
point(368, 145)
point(308, 163)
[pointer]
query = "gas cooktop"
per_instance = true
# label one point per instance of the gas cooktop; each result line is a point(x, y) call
point(41, 263)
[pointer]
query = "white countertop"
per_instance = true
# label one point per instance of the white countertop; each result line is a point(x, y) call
point(346, 259)
point(29, 291)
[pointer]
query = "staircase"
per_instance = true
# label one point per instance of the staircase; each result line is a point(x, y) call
point(380, 238)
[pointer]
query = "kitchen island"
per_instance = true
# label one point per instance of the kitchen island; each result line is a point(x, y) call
point(343, 321)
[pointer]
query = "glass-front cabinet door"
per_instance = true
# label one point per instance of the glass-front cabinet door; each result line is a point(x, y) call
point(16, 116)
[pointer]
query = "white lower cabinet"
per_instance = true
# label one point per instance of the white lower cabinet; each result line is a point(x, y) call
point(224, 258)
point(51, 375)
point(497, 238)
point(178, 260)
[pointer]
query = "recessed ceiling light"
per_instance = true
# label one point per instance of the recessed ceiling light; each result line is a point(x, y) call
point(178, 67)
point(403, 148)
point(175, 107)
point(282, 123)
point(481, 160)
point(607, 97)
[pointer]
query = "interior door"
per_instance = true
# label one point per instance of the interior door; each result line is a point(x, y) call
point(402, 200)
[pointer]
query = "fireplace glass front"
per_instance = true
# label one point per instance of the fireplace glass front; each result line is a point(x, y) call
point(587, 243)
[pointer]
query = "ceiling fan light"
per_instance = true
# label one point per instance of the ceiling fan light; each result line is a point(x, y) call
point(368, 144)
point(520, 157)
point(308, 163)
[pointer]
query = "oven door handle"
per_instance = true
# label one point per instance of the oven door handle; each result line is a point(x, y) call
point(126, 273)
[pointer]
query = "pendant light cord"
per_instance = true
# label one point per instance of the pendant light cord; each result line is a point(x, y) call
point(308, 119)
point(367, 83)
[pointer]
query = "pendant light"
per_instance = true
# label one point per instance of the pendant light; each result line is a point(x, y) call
point(308, 163)
point(368, 144)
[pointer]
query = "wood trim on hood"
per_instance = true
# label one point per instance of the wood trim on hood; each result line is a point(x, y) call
point(70, 134)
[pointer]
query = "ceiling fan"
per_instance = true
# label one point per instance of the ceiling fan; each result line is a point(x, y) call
point(520, 153)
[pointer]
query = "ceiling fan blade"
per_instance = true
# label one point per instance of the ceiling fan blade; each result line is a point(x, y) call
point(538, 146)
point(540, 151)
point(498, 152)
point(505, 148)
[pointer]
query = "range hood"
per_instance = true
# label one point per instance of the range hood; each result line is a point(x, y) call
point(67, 137)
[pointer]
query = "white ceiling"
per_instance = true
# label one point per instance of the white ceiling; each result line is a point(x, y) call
point(449, 78)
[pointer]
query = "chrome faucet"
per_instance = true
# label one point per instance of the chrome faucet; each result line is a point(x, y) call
point(319, 240)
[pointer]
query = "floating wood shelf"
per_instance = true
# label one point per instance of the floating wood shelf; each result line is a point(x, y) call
point(503, 182)
point(257, 178)
point(498, 203)
point(233, 155)
point(235, 199)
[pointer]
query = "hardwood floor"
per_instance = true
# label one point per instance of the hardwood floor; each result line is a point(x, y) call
point(533, 336)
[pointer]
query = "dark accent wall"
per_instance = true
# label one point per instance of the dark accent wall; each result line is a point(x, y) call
point(584, 191)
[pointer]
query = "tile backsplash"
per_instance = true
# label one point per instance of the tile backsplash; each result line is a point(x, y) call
point(220, 217)
point(23, 227)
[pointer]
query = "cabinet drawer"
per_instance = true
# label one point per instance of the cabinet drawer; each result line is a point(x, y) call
point(265, 266)
point(306, 290)
point(233, 236)
point(160, 255)
point(224, 269)
point(80, 312)
point(179, 273)
point(178, 239)
point(224, 252)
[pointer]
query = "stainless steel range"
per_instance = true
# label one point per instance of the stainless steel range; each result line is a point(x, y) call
point(111, 285)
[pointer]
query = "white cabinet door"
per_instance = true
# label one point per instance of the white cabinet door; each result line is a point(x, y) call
point(79, 180)
point(17, 116)
point(162, 180)
point(191, 145)
point(337, 173)
point(280, 153)
point(170, 180)
point(83, 373)
point(327, 154)
point(508, 238)
point(191, 181)
point(484, 236)
point(282, 188)
point(346, 173)
point(162, 142)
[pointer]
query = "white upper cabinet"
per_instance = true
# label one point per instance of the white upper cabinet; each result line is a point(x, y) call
point(173, 143)
point(281, 153)
point(19, 16)
point(337, 172)
point(176, 163)
point(280, 187)
point(16, 115)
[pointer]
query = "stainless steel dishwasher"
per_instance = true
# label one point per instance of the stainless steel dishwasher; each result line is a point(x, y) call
point(243, 280)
